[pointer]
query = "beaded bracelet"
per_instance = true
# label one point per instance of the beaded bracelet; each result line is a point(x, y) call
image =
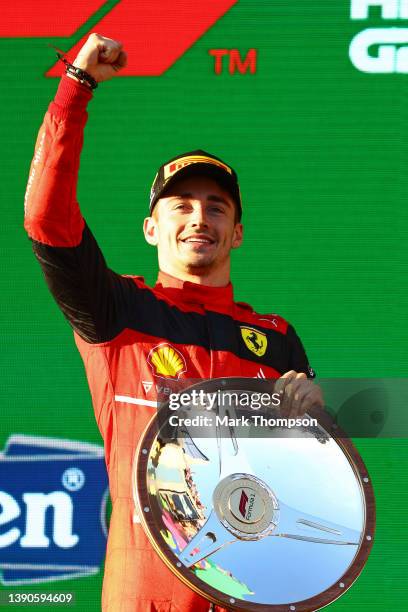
point(81, 75)
point(78, 73)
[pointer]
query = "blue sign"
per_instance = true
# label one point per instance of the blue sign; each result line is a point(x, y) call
point(52, 509)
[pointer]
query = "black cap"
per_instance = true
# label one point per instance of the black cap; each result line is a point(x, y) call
point(189, 164)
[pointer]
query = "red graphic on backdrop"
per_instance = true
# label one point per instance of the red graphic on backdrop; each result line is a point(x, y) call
point(155, 33)
point(45, 17)
point(235, 63)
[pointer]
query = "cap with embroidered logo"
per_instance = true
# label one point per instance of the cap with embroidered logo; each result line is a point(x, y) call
point(189, 164)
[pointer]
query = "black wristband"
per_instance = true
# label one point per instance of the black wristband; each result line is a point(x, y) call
point(81, 75)
point(78, 73)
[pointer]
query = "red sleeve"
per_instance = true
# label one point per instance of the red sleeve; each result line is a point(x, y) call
point(52, 214)
point(96, 301)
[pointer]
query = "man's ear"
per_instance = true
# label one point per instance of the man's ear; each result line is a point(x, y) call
point(150, 231)
point(238, 235)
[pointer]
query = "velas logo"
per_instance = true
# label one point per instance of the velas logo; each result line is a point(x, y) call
point(155, 388)
point(52, 497)
point(166, 361)
point(155, 33)
point(147, 385)
point(260, 374)
point(255, 340)
point(177, 165)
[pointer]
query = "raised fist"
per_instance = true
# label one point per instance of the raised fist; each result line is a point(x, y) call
point(101, 57)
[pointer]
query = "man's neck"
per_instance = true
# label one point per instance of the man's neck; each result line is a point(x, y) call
point(216, 278)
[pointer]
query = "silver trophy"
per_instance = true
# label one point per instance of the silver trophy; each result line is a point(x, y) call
point(249, 513)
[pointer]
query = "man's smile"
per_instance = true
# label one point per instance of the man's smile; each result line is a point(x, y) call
point(198, 239)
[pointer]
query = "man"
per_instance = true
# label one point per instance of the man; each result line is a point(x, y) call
point(132, 337)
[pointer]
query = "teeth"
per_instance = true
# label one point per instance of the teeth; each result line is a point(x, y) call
point(197, 240)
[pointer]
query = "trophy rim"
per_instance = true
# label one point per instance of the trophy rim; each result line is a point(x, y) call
point(184, 574)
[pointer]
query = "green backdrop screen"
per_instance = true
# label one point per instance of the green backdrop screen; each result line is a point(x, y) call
point(316, 128)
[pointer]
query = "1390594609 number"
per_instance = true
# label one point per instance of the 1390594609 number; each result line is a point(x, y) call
point(21, 597)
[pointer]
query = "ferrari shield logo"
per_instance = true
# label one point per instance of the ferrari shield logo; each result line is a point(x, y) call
point(255, 340)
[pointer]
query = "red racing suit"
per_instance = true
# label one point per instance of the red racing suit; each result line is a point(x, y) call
point(131, 338)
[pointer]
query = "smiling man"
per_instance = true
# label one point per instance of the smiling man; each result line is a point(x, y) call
point(133, 338)
point(195, 218)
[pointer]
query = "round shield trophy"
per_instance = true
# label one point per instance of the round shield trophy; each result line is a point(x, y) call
point(250, 511)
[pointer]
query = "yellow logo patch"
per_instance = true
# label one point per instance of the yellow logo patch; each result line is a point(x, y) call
point(166, 361)
point(175, 166)
point(255, 340)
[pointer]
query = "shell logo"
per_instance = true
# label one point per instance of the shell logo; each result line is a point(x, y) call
point(166, 361)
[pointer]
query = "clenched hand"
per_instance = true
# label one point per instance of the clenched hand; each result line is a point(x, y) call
point(101, 57)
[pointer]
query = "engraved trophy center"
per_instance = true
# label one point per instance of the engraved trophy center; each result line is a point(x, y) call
point(246, 506)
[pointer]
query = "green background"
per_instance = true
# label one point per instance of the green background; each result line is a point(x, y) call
point(320, 149)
